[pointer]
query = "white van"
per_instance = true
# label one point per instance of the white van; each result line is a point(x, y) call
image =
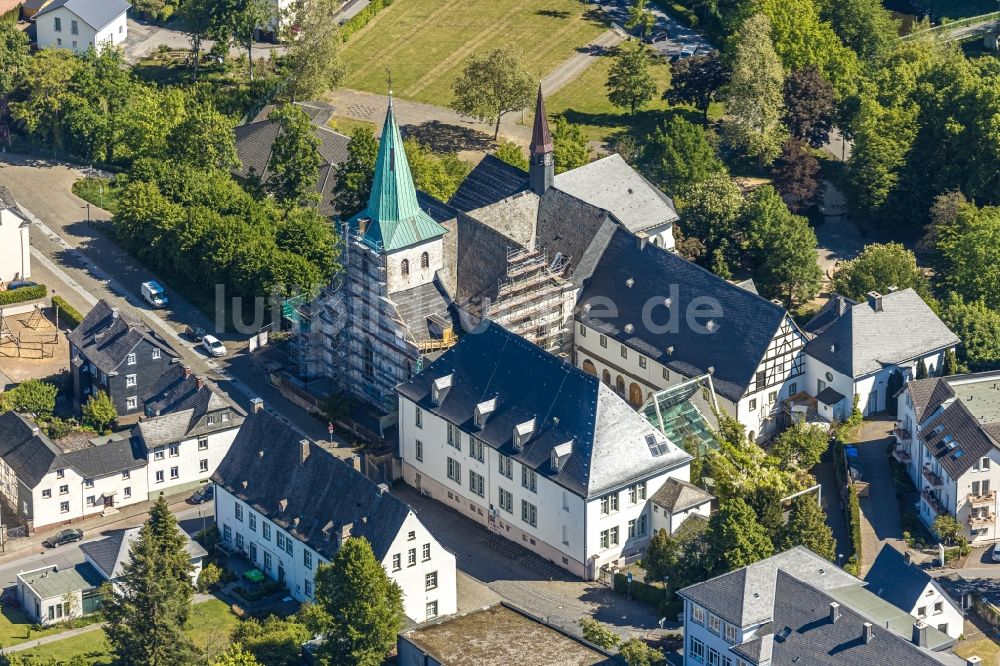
point(154, 294)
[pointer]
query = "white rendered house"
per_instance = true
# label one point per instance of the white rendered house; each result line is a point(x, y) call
point(81, 25)
point(15, 246)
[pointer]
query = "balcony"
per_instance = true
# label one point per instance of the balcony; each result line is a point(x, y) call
point(903, 436)
point(986, 520)
point(983, 500)
point(931, 478)
point(901, 454)
point(932, 501)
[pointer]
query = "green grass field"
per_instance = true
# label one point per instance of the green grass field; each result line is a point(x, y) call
point(210, 625)
point(427, 42)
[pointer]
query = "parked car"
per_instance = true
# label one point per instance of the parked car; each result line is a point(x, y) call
point(657, 36)
point(202, 495)
point(65, 536)
point(995, 553)
point(213, 346)
point(154, 294)
point(196, 333)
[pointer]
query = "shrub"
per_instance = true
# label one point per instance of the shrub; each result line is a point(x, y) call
point(22, 294)
point(362, 18)
point(854, 518)
point(67, 312)
point(599, 633)
point(640, 591)
point(209, 577)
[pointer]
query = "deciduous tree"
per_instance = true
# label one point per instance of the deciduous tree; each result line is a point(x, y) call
point(205, 139)
point(636, 652)
point(569, 145)
point(809, 106)
point(99, 411)
point(235, 655)
point(437, 174)
point(710, 211)
point(355, 174)
point(14, 54)
point(274, 641)
point(313, 65)
point(599, 633)
point(31, 396)
point(807, 527)
point(512, 154)
point(197, 18)
point(801, 445)
point(245, 19)
point(978, 327)
point(795, 175)
point(493, 84)
point(696, 80)
point(295, 158)
point(879, 267)
point(640, 17)
point(630, 85)
point(682, 155)
point(865, 26)
point(736, 539)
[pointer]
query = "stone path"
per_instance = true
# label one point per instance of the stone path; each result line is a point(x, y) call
point(880, 521)
point(576, 64)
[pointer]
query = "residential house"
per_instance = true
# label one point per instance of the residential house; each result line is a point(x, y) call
point(109, 556)
point(675, 502)
point(186, 431)
point(50, 595)
point(536, 450)
point(909, 588)
point(947, 437)
point(44, 483)
point(113, 352)
point(288, 505)
point(797, 608)
point(15, 246)
point(81, 25)
point(867, 348)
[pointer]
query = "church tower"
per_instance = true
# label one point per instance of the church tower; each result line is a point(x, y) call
point(541, 171)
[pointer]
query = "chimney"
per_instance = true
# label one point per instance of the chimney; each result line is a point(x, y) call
point(199, 383)
point(834, 612)
point(920, 633)
point(187, 371)
point(383, 489)
point(973, 661)
point(282, 505)
point(868, 633)
point(303, 450)
point(114, 313)
point(258, 405)
point(344, 534)
point(875, 301)
point(641, 239)
point(908, 557)
point(893, 289)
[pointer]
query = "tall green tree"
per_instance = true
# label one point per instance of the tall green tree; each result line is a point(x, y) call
point(245, 18)
point(31, 396)
point(710, 211)
point(969, 254)
point(755, 103)
point(736, 538)
point(205, 139)
point(682, 155)
point(636, 652)
point(879, 267)
point(99, 411)
point(807, 527)
point(44, 93)
point(493, 84)
point(197, 21)
point(295, 158)
point(512, 154)
point(313, 64)
point(235, 655)
point(569, 145)
point(640, 17)
point(630, 85)
point(949, 366)
point(363, 607)
point(696, 81)
point(355, 174)
point(436, 174)
point(801, 445)
point(865, 26)
point(809, 106)
point(794, 175)
point(883, 136)
point(14, 54)
point(148, 606)
point(978, 327)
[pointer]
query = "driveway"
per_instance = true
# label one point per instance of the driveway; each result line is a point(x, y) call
point(676, 36)
point(880, 521)
point(144, 38)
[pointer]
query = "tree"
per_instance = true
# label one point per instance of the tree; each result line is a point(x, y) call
point(599, 633)
point(630, 85)
point(781, 249)
point(978, 327)
point(682, 155)
point(439, 175)
point(245, 19)
point(198, 20)
point(363, 607)
point(755, 103)
point(640, 17)
point(879, 267)
point(99, 411)
point(807, 527)
point(148, 605)
point(31, 396)
point(949, 366)
point(944, 213)
point(512, 154)
point(968, 252)
point(209, 577)
point(801, 445)
point(696, 80)
point(736, 539)
point(636, 652)
point(355, 174)
point(921, 369)
point(313, 64)
point(205, 139)
point(948, 529)
point(569, 145)
point(492, 85)
point(863, 25)
point(795, 175)
point(235, 655)
point(295, 158)
point(809, 106)
point(44, 92)
point(710, 210)
point(14, 54)
point(883, 137)
point(274, 642)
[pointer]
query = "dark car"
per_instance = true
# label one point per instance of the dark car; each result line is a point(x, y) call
point(205, 494)
point(65, 536)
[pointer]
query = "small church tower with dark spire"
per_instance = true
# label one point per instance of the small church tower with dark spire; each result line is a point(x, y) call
point(541, 171)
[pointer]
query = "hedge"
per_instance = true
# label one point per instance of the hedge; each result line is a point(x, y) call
point(854, 518)
point(22, 294)
point(362, 18)
point(640, 591)
point(67, 312)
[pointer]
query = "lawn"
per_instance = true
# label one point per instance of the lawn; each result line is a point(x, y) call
point(14, 626)
point(426, 43)
point(984, 648)
point(348, 125)
point(210, 625)
point(99, 192)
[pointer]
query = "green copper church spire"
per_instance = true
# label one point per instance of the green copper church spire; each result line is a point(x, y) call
point(393, 218)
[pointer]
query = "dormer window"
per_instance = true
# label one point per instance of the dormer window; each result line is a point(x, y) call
point(483, 411)
point(560, 454)
point(522, 433)
point(440, 387)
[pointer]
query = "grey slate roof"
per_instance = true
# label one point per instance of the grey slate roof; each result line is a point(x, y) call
point(26, 449)
point(961, 428)
point(894, 580)
point(832, 310)
point(96, 13)
point(425, 311)
point(106, 336)
point(609, 447)
point(734, 349)
point(322, 492)
point(610, 183)
point(176, 408)
point(109, 555)
point(927, 395)
point(863, 341)
point(490, 181)
point(676, 495)
point(829, 396)
point(119, 453)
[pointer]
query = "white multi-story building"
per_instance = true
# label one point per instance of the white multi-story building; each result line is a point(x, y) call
point(946, 436)
point(288, 505)
point(540, 452)
point(15, 246)
point(81, 25)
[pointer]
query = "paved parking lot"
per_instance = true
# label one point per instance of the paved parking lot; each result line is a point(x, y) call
point(671, 36)
point(144, 38)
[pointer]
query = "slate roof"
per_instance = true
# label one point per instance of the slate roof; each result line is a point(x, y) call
point(608, 437)
point(109, 555)
point(176, 407)
point(610, 183)
point(107, 335)
point(676, 495)
point(829, 396)
point(7, 199)
point(927, 395)
point(863, 341)
point(425, 311)
point(26, 449)
point(541, 137)
point(321, 493)
point(115, 455)
point(960, 428)
point(490, 181)
point(734, 348)
point(96, 13)
point(832, 310)
point(894, 580)
point(255, 141)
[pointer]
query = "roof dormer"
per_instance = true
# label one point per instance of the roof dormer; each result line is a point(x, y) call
point(440, 388)
point(483, 411)
point(560, 454)
point(522, 433)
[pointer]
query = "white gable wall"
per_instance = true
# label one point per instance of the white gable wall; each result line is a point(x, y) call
point(15, 249)
point(55, 29)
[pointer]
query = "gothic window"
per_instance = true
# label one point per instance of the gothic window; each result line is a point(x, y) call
point(606, 377)
point(404, 267)
point(425, 260)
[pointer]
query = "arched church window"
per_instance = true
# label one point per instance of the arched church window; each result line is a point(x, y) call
point(404, 267)
point(425, 260)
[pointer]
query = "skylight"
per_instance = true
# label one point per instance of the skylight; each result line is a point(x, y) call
point(656, 446)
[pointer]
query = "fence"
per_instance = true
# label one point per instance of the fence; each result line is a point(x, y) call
point(952, 25)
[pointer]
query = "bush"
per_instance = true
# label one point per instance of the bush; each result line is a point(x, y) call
point(209, 577)
point(362, 18)
point(22, 294)
point(30, 397)
point(599, 633)
point(854, 520)
point(67, 312)
point(645, 592)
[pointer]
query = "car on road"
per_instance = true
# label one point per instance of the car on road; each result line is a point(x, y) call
point(995, 553)
point(154, 294)
point(213, 346)
point(202, 495)
point(658, 36)
point(65, 536)
point(196, 333)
